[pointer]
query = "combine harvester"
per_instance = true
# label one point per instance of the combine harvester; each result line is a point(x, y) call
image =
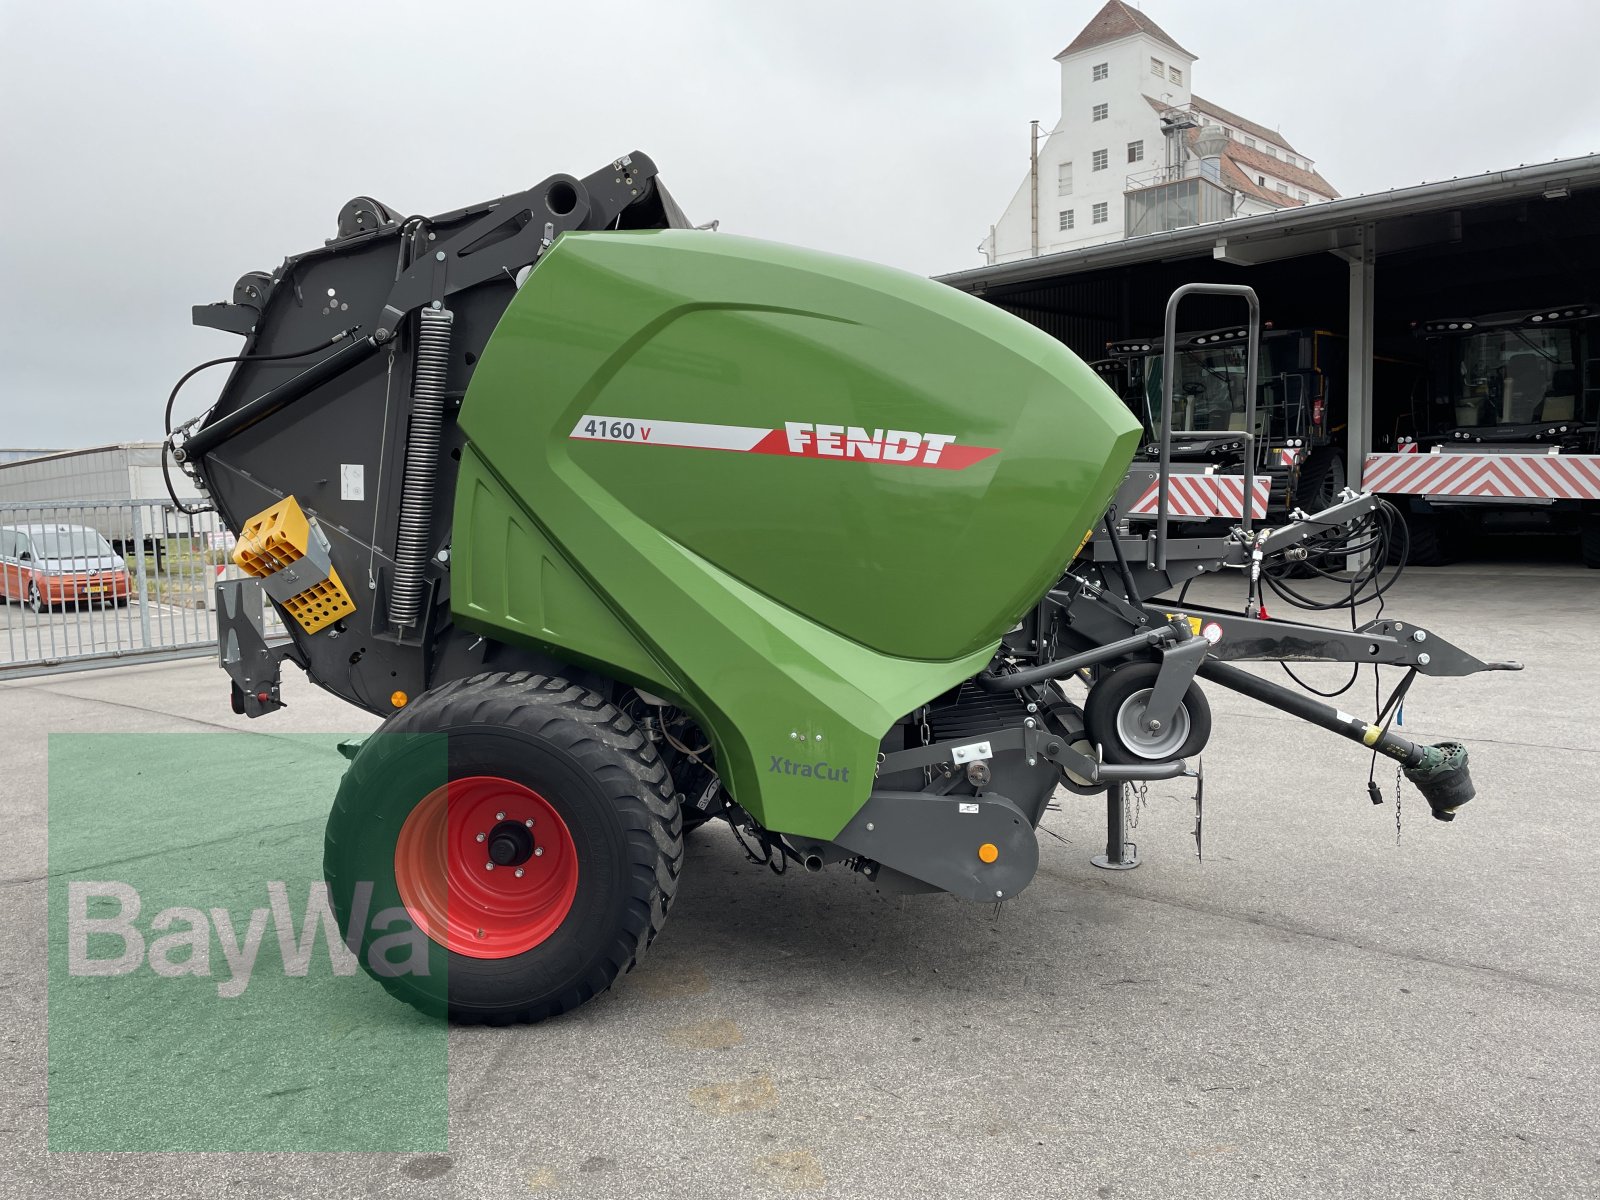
point(624, 527)
point(1301, 411)
point(1506, 434)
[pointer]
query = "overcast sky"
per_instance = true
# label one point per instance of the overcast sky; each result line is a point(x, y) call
point(152, 152)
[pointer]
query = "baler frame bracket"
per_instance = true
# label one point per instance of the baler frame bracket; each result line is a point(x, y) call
point(534, 219)
point(253, 664)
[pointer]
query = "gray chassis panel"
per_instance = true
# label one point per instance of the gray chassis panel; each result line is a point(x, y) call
point(936, 839)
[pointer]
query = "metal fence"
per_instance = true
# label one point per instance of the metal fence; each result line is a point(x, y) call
point(90, 583)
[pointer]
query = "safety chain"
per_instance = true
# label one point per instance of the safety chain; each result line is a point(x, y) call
point(927, 740)
point(1140, 795)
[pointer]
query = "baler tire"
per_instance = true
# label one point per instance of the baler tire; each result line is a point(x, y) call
point(604, 790)
point(1107, 697)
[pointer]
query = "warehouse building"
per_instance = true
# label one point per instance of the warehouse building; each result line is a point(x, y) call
point(1500, 270)
point(1136, 151)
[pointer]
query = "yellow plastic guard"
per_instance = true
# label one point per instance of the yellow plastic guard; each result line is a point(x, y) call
point(276, 537)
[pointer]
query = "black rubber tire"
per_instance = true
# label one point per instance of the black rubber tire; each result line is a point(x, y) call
point(591, 763)
point(1589, 535)
point(35, 601)
point(1322, 478)
point(1106, 698)
point(1431, 543)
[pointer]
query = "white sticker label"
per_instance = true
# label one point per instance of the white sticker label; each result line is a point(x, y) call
point(352, 481)
point(968, 808)
point(971, 753)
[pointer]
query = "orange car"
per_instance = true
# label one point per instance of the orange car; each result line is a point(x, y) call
point(46, 565)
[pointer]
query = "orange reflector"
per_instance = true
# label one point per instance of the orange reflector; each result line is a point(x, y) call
point(398, 699)
point(988, 852)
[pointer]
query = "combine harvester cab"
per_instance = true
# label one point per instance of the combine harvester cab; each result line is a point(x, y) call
point(1300, 413)
point(625, 527)
point(1505, 434)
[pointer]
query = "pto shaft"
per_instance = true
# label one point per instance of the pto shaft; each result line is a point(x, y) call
point(1439, 771)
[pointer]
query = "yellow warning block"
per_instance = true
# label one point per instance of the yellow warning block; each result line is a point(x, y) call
point(272, 540)
point(1194, 622)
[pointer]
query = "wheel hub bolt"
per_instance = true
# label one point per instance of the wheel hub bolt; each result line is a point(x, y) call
point(499, 816)
point(529, 822)
point(538, 851)
point(488, 866)
point(519, 872)
point(481, 836)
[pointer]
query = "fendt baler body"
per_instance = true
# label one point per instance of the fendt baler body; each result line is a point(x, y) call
point(797, 495)
point(657, 526)
point(802, 495)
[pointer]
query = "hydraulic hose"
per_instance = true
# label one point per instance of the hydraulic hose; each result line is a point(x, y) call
point(213, 435)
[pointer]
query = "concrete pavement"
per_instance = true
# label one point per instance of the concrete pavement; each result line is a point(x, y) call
point(1314, 1010)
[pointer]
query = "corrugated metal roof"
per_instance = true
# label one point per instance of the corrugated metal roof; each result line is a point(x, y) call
point(1198, 240)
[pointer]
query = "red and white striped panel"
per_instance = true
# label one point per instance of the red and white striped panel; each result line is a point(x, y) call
point(1201, 496)
point(1491, 476)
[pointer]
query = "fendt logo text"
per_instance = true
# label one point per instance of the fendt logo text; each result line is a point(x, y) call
point(797, 439)
point(875, 445)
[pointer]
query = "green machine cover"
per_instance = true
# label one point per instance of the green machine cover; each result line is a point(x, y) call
point(797, 494)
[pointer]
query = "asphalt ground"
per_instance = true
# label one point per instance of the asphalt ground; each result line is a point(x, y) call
point(1325, 1006)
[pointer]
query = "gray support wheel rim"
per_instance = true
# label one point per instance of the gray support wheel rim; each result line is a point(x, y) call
point(1139, 740)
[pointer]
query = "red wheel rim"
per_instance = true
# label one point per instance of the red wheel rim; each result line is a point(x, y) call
point(442, 867)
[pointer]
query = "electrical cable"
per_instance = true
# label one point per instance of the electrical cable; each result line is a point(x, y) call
point(1384, 715)
point(239, 358)
point(1372, 537)
point(172, 397)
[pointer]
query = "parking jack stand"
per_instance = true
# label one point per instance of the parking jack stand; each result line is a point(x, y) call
point(1121, 854)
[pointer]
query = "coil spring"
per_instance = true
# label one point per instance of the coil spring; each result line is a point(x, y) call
point(421, 465)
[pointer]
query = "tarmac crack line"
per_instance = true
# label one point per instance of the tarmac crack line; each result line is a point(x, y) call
point(80, 870)
point(146, 709)
point(1349, 943)
point(296, 738)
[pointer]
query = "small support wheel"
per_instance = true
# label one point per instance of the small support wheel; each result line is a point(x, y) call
point(1114, 715)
